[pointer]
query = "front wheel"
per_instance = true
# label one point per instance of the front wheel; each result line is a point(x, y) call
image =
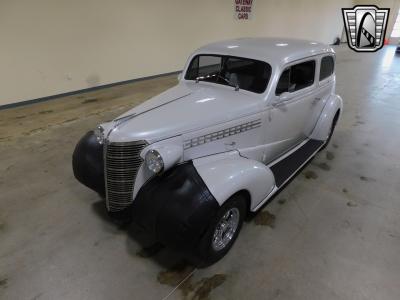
point(222, 231)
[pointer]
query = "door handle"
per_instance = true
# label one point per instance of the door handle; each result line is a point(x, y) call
point(230, 144)
point(317, 98)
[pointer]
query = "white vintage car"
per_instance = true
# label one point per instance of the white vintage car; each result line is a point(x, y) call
point(189, 164)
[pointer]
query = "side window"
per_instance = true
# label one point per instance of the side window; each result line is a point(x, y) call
point(327, 67)
point(283, 83)
point(302, 75)
point(297, 77)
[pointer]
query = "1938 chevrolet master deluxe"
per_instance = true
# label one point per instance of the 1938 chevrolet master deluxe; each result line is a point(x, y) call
point(190, 163)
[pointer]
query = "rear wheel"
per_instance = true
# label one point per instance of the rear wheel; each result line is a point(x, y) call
point(222, 231)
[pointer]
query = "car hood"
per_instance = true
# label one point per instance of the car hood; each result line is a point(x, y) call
point(181, 109)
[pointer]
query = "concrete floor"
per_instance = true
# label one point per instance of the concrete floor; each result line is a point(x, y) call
point(333, 233)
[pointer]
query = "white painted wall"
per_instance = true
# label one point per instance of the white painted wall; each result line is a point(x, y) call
point(56, 46)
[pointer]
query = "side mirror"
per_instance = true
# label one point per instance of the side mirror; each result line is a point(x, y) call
point(179, 76)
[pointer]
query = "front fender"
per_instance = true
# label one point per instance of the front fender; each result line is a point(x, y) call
point(88, 164)
point(227, 173)
point(175, 206)
point(323, 126)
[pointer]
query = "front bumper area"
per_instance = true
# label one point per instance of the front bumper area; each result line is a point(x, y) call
point(88, 163)
point(175, 207)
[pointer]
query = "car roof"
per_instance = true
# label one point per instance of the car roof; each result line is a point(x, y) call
point(275, 51)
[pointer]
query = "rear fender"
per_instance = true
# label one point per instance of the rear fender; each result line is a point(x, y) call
point(323, 126)
point(228, 173)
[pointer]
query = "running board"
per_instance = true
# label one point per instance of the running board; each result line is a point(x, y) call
point(286, 167)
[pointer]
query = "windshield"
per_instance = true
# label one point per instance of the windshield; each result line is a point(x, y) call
point(243, 73)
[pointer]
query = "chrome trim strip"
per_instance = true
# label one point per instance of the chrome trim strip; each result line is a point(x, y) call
point(105, 169)
point(214, 136)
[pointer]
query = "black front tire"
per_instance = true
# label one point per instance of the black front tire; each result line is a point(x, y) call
point(206, 254)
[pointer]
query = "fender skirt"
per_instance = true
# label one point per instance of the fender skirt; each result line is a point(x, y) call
point(88, 163)
point(176, 207)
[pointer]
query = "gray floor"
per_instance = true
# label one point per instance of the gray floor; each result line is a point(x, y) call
point(333, 233)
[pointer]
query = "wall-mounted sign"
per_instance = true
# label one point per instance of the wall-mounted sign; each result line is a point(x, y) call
point(365, 27)
point(243, 9)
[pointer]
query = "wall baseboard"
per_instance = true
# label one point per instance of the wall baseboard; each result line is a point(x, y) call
point(53, 97)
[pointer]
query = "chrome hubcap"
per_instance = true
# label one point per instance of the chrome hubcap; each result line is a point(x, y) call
point(225, 229)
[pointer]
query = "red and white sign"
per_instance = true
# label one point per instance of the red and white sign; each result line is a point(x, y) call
point(243, 9)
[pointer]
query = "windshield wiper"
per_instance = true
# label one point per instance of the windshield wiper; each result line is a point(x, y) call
point(199, 78)
point(213, 75)
point(223, 78)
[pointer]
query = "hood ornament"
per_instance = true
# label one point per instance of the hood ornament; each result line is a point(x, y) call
point(123, 119)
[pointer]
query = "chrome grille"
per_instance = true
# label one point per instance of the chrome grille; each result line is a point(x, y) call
point(122, 162)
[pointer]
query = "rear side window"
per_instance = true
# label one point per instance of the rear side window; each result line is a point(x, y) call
point(296, 77)
point(327, 67)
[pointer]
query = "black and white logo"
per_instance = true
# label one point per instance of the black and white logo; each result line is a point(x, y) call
point(365, 27)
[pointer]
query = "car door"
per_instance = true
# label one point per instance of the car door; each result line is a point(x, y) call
point(325, 88)
point(287, 115)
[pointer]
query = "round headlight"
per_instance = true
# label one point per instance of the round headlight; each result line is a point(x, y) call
point(99, 134)
point(154, 161)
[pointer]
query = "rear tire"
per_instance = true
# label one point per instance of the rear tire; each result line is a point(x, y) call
point(222, 231)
